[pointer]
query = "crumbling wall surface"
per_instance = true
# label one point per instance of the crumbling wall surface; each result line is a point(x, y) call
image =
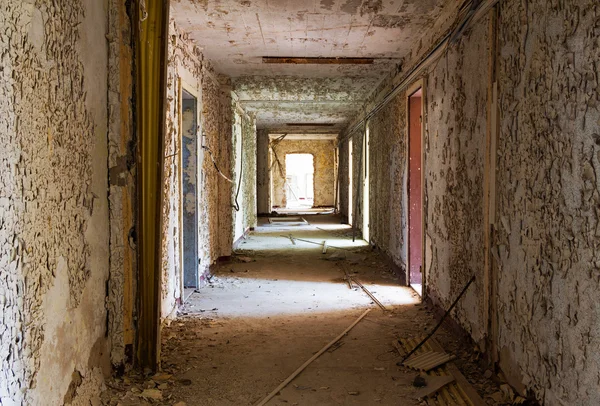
point(184, 71)
point(323, 152)
point(217, 125)
point(244, 192)
point(387, 172)
point(456, 100)
point(122, 191)
point(547, 232)
point(343, 173)
point(263, 179)
point(54, 236)
point(357, 188)
point(225, 151)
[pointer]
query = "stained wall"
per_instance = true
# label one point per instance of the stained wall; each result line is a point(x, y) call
point(535, 308)
point(122, 186)
point(546, 237)
point(54, 210)
point(455, 145)
point(187, 69)
point(324, 176)
point(263, 175)
point(184, 72)
point(245, 171)
point(387, 179)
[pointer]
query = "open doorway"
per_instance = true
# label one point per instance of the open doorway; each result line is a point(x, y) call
point(350, 199)
point(299, 188)
point(415, 189)
point(189, 188)
point(365, 192)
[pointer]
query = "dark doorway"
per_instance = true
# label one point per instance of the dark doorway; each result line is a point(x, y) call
point(189, 188)
point(415, 191)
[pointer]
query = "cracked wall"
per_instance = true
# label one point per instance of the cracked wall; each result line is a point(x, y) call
point(184, 72)
point(54, 235)
point(343, 151)
point(387, 178)
point(217, 116)
point(324, 176)
point(244, 192)
point(187, 69)
point(455, 147)
point(545, 235)
point(122, 188)
point(263, 178)
point(546, 240)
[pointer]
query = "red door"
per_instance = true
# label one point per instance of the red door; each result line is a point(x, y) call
point(415, 206)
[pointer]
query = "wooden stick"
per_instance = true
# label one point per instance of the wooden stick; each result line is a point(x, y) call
point(307, 363)
point(368, 293)
point(441, 320)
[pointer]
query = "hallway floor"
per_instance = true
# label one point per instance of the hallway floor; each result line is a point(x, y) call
point(273, 306)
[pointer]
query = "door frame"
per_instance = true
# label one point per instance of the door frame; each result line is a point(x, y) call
point(183, 85)
point(412, 89)
point(350, 182)
point(365, 184)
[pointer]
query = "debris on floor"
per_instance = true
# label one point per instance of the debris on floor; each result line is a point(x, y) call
point(272, 314)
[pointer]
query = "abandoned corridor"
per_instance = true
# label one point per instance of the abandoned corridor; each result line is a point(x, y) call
point(156, 156)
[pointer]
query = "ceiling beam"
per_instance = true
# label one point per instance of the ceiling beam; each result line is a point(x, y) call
point(317, 60)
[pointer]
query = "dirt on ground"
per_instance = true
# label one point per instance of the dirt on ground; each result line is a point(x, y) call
point(278, 302)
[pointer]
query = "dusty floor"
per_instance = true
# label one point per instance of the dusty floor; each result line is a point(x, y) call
point(272, 307)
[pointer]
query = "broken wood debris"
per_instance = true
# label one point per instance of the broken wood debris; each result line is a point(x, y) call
point(458, 392)
point(428, 360)
point(310, 360)
point(433, 384)
point(441, 320)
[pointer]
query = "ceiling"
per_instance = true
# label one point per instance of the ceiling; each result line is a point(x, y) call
point(235, 34)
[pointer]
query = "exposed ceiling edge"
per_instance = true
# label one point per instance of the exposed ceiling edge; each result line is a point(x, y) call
point(317, 60)
point(483, 7)
point(309, 136)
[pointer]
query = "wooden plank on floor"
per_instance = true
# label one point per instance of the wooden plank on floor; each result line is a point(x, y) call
point(434, 384)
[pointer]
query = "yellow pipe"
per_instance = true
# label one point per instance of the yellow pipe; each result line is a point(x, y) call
point(151, 53)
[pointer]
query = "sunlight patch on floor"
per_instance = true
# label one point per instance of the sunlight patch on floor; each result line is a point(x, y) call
point(250, 297)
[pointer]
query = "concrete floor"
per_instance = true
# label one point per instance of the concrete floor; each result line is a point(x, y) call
point(238, 338)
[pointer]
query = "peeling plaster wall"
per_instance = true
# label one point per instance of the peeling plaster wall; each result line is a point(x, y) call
point(244, 139)
point(323, 152)
point(343, 182)
point(217, 118)
point(546, 240)
point(545, 234)
point(184, 71)
point(186, 65)
point(455, 145)
point(122, 188)
point(54, 234)
point(263, 178)
point(387, 178)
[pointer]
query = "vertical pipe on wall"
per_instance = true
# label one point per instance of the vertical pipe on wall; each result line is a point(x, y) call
point(151, 53)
